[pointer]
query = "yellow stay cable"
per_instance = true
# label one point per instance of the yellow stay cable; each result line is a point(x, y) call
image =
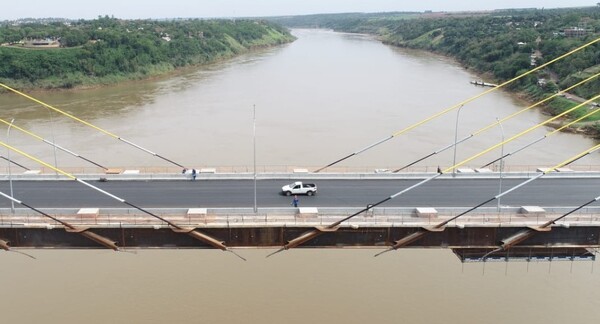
point(519, 135)
point(414, 236)
point(176, 228)
point(538, 103)
point(460, 104)
point(87, 123)
point(51, 143)
point(495, 124)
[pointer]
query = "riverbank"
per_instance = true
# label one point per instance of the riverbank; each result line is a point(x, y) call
point(82, 82)
point(110, 51)
point(499, 45)
point(152, 73)
point(589, 128)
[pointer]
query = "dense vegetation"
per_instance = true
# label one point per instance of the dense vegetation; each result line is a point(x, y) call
point(108, 50)
point(499, 45)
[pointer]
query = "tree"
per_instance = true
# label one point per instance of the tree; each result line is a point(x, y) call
point(109, 47)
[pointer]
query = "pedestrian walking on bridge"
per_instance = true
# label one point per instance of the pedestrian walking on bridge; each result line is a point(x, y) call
point(295, 201)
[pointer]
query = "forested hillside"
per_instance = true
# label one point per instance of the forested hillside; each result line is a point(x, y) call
point(107, 50)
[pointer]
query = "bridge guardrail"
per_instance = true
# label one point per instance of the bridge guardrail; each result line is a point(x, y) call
point(241, 217)
point(293, 176)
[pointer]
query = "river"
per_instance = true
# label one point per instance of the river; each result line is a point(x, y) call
point(318, 99)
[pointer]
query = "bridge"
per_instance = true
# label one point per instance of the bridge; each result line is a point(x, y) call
point(479, 214)
point(536, 222)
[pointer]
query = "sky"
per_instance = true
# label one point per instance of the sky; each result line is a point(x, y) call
point(141, 9)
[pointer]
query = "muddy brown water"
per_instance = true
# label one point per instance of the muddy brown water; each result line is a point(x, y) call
point(322, 97)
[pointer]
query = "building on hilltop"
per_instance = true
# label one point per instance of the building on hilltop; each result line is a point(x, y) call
point(46, 42)
point(575, 32)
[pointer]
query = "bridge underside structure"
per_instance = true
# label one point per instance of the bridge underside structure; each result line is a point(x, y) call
point(469, 244)
point(471, 238)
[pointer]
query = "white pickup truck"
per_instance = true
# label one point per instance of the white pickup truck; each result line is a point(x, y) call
point(299, 188)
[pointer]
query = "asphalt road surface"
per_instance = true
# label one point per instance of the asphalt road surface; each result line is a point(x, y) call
point(548, 192)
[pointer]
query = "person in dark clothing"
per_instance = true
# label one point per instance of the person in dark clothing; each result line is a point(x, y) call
point(295, 201)
point(193, 174)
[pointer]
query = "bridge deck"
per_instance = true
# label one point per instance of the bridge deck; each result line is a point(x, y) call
point(471, 236)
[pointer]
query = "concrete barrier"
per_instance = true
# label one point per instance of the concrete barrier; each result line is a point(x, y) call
point(307, 212)
point(426, 212)
point(533, 210)
point(89, 212)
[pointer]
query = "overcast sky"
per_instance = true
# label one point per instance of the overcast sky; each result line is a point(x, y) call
point(137, 9)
